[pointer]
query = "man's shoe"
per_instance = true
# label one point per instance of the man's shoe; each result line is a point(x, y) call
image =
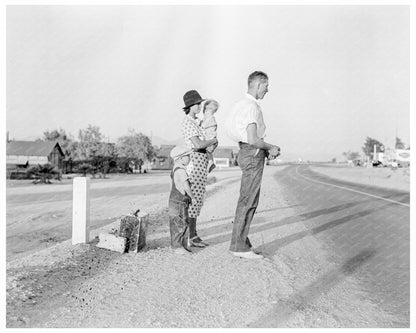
point(247, 255)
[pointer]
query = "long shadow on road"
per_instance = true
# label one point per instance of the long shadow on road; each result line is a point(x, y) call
point(269, 249)
point(225, 230)
point(304, 298)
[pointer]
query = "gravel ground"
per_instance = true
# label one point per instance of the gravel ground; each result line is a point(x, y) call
point(85, 286)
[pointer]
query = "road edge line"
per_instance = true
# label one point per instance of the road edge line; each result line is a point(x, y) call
point(349, 189)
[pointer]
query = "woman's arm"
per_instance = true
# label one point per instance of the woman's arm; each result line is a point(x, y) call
point(201, 144)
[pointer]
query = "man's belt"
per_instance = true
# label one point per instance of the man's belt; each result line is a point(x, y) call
point(247, 145)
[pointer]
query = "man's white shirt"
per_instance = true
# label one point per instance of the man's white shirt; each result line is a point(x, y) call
point(245, 112)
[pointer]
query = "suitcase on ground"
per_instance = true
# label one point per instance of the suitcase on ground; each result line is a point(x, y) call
point(133, 227)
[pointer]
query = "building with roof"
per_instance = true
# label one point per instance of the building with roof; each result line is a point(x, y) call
point(224, 157)
point(163, 161)
point(26, 153)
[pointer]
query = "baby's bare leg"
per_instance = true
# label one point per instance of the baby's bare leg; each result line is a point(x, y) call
point(210, 156)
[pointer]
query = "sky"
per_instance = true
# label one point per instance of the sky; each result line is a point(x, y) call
point(337, 74)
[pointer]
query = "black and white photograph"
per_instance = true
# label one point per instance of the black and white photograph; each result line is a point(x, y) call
point(208, 165)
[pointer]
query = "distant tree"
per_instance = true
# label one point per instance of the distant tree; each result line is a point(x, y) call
point(66, 141)
point(368, 147)
point(334, 160)
point(108, 149)
point(351, 155)
point(135, 146)
point(55, 135)
point(90, 143)
point(399, 143)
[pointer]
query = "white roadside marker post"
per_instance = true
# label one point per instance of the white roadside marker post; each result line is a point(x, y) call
point(80, 210)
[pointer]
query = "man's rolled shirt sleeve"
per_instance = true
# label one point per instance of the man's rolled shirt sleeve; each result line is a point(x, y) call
point(250, 118)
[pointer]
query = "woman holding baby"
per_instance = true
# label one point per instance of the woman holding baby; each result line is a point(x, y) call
point(195, 138)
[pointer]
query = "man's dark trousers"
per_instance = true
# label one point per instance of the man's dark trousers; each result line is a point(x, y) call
point(251, 162)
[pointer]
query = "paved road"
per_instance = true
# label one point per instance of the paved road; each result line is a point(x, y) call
point(365, 229)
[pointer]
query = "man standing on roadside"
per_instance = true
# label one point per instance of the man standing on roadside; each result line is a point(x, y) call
point(246, 126)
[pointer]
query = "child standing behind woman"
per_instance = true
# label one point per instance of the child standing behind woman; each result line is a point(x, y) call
point(209, 124)
point(179, 200)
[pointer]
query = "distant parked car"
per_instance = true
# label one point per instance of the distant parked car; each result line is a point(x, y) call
point(403, 164)
point(377, 164)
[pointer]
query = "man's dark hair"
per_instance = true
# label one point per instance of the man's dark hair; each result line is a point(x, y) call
point(257, 75)
point(187, 110)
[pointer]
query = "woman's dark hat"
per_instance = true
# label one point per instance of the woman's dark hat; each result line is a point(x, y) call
point(191, 97)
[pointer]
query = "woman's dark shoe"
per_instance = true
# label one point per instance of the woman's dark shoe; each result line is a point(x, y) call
point(199, 241)
point(196, 242)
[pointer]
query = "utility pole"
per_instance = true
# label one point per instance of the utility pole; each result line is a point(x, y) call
point(395, 139)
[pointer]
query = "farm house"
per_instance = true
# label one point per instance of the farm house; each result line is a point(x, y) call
point(22, 154)
point(163, 161)
point(223, 157)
